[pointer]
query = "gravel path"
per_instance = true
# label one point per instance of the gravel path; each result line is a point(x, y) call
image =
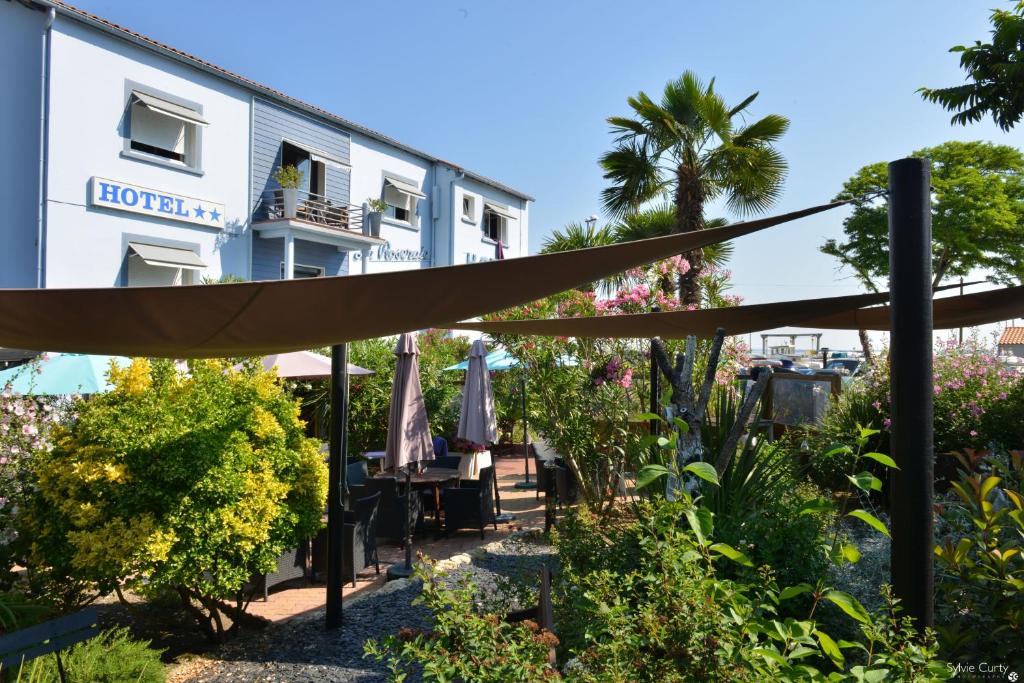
point(302, 651)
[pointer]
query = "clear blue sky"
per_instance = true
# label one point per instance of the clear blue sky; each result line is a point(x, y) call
point(520, 90)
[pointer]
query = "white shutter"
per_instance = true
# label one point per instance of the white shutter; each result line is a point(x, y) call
point(141, 274)
point(155, 129)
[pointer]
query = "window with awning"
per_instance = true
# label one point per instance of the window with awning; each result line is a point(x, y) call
point(401, 197)
point(495, 225)
point(164, 129)
point(152, 265)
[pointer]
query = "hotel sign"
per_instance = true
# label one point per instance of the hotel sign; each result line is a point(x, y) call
point(114, 194)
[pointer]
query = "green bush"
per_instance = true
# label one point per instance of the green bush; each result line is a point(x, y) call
point(465, 645)
point(642, 597)
point(1002, 424)
point(980, 577)
point(192, 483)
point(370, 395)
point(111, 657)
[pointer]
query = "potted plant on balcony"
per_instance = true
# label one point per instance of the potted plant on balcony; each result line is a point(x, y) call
point(377, 209)
point(289, 178)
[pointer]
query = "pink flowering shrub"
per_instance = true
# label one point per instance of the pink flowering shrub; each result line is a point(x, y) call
point(25, 428)
point(584, 391)
point(970, 382)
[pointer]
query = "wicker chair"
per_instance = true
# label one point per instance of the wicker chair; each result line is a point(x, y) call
point(391, 520)
point(356, 477)
point(359, 541)
point(565, 483)
point(360, 537)
point(471, 506)
point(291, 564)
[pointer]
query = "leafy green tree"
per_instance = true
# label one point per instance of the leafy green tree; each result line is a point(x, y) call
point(188, 484)
point(995, 75)
point(977, 215)
point(690, 147)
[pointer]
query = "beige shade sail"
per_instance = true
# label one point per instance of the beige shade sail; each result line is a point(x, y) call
point(968, 310)
point(839, 313)
point(679, 324)
point(261, 318)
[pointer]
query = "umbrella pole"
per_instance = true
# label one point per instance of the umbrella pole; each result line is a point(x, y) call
point(397, 571)
point(336, 480)
point(527, 484)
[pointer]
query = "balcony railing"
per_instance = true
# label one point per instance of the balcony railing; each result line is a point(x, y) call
point(312, 208)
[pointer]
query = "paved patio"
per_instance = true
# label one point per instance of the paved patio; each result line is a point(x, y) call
point(291, 600)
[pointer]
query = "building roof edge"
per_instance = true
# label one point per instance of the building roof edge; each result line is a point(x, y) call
point(184, 57)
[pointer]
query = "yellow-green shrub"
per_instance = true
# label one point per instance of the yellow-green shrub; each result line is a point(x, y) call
point(192, 482)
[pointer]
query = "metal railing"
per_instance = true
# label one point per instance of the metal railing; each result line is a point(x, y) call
point(312, 208)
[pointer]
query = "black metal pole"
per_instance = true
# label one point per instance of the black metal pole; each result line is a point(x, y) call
point(336, 480)
point(910, 383)
point(527, 484)
point(398, 571)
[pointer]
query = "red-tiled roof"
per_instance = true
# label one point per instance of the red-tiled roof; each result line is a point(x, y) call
point(123, 32)
point(1012, 335)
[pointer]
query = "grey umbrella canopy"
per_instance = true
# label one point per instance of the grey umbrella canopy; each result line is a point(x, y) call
point(477, 421)
point(408, 426)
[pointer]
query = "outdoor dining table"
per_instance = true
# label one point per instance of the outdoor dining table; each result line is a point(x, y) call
point(435, 478)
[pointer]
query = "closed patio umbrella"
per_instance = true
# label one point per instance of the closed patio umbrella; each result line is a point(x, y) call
point(408, 427)
point(477, 422)
point(63, 373)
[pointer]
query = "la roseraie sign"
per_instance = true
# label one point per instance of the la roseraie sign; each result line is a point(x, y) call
point(121, 196)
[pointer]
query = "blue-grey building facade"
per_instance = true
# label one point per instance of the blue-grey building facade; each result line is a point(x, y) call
point(129, 163)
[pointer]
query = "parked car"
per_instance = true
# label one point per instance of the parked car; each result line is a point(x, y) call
point(849, 367)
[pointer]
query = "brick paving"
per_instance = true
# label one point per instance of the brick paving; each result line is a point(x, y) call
point(291, 600)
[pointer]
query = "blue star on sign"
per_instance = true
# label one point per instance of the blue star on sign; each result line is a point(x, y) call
point(215, 215)
point(200, 212)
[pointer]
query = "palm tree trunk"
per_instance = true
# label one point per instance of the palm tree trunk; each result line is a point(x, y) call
point(689, 201)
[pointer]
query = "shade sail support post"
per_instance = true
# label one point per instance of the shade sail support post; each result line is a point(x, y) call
point(910, 384)
point(337, 484)
point(405, 571)
point(526, 483)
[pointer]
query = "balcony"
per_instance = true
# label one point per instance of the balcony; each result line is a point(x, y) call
point(315, 218)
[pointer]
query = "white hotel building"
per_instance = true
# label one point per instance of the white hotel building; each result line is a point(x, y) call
point(127, 162)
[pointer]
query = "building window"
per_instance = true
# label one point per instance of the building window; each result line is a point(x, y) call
point(311, 166)
point(151, 265)
point(300, 272)
point(165, 130)
point(469, 208)
point(401, 197)
point(496, 219)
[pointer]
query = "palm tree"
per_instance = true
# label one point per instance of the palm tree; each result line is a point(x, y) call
point(688, 146)
point(576, 236)
point(659, 220)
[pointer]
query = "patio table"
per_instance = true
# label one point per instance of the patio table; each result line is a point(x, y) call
point(432, 477)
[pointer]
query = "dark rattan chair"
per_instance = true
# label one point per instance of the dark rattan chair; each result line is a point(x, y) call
point(359, 541)
point(471, 506)
point(392, 523)
point(360, 537)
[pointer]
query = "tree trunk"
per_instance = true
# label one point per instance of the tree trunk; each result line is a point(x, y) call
point(865, 345)
point(689, 201)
